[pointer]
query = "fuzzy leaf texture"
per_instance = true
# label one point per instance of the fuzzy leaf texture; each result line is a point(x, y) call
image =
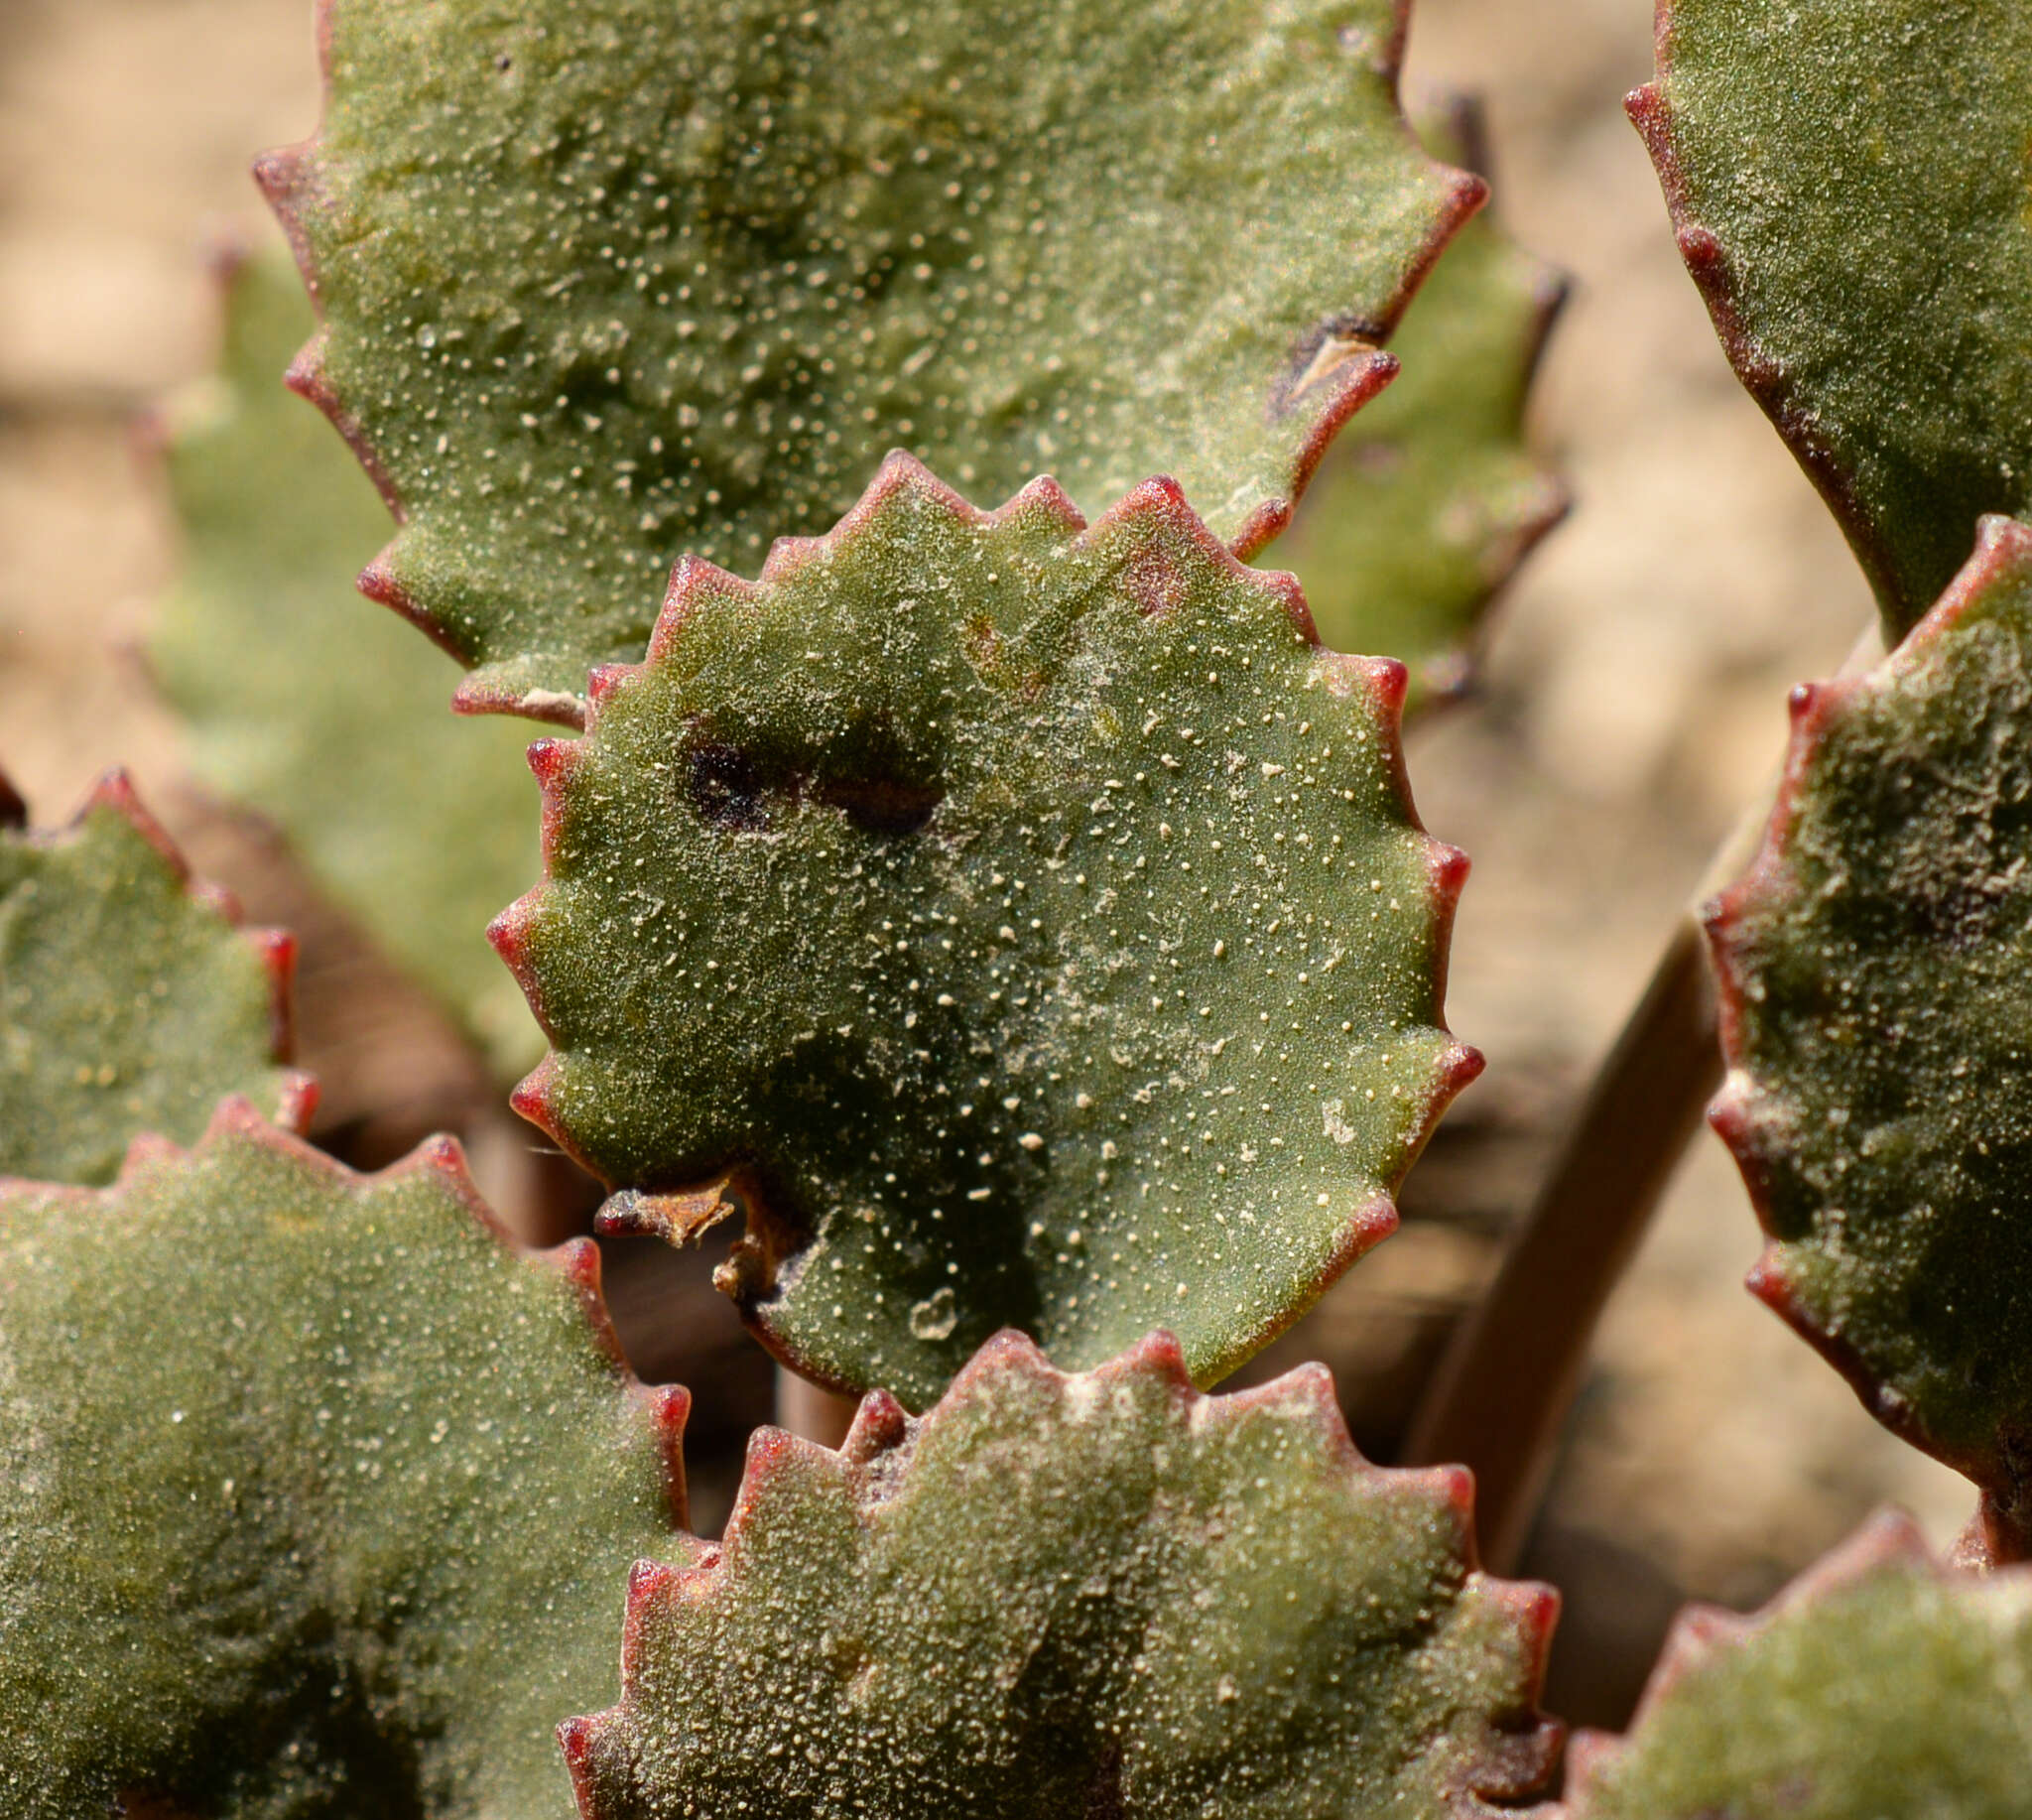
point(307, 704)
point(1035, 916)
point(613, 282)
point(1877, 975)
point(314, 1494)
point(1877, 1684)
point(1851, 190)
point(1059, 1597)
point(130, 1000)
point(1431, 497)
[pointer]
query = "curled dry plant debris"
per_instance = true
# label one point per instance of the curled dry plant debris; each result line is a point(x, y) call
point(1849, 182)
point(322, 713)
point(614, 281)
point(1068, 1595)
point(1877, 1019)
point(1034, 916)
point(1878, 1683)
point(130, 999)
point(313, 1491)
point(1431, 496)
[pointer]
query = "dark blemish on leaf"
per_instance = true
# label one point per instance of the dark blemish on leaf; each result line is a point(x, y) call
point(882, 805)
point(724, 786)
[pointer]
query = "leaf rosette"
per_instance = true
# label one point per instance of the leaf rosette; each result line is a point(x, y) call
point(1878, 1020)
point(130, 999)
point(1033, 917)
point(608, 282)
point(1063, 1596)
point(1876, 1683)
point(310, 1491)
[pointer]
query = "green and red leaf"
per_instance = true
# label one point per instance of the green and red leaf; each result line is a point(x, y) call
point(1057, 1597)
point(1033, 917)
point(616, 280)
point(1879, 1683)
point(130, 999)
point(311, 1489)
point(1876, 974)
point(1851, 190)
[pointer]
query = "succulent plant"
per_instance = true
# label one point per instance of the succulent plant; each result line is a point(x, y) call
point(1022, 922)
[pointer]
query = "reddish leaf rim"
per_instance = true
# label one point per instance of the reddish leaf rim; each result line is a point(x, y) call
point(1344, 357)
point(1763, 376)
point(687, 1208)
point(2003, 547)
point(1527, 1740)
point(1889, 1541)
point(274, 949)
point(441, 1159)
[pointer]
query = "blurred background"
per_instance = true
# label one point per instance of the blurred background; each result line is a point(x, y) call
point(1631, 708)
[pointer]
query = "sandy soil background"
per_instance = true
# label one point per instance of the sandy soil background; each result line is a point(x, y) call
point(1633, 707)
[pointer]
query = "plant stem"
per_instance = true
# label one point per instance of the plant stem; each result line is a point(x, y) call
point(1503, 1389)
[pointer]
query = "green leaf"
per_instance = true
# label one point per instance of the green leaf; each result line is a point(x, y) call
point(1036, 914)
point(1877, 1684)
point(1850, 187)
point(130, 1000)
point(323, 713)
point(1430, 497)
point(1876, 972)
point(610, 281)
point(1061, 1596)
point(315, 1496)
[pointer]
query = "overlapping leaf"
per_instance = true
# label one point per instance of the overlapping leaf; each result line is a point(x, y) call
point(1035, 916)
point(1074, 1595)
point(316, 710)
point(130, 1000)
point(1879, 1683)
point(616, 281)
point(1850, 187)
point(1430, 497)
point(313, 1492)
point(1876, 969)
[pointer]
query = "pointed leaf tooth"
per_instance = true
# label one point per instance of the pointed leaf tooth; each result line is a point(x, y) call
point(578, 1261)
point(1278, 133)
point(880, 1426)
point(603, 680)
point(905, 718)
point(670, 1411)
point(961, 1550)
point(577, 1738)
